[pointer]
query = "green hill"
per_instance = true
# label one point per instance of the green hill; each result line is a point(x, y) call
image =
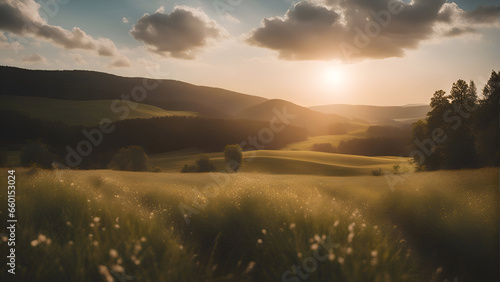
point(286, 162)
point(86, 113)
point(89, 85)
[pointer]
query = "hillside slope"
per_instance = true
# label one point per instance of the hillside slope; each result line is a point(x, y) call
point(89, 85)
point(390, 115)
point(315, 122)
point(286, 162)
point(87, 113)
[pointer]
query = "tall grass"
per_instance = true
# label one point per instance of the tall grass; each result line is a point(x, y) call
point(105, 225)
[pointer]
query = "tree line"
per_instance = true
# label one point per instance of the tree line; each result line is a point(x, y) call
point(461, 130)
point(155, 135)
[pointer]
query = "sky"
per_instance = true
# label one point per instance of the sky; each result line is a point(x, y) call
point(315, 52)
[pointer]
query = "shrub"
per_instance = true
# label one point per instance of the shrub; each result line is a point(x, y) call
point(323, 147)
point(132, 158)
point(202, 164)
point(377, 172)
point(37, 153)
point(233, 155)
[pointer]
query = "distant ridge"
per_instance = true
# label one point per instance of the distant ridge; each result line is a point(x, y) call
point(380, 115)
point(170, 95)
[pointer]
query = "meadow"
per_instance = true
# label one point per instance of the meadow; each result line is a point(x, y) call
point(103, 225)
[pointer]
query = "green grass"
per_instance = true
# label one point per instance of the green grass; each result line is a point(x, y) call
point(332, 139)
point(255, 227)
point(86, 113)
point(286, 162)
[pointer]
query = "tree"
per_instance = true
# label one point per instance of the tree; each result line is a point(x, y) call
point(233, 155)
point(486, 122)
point(460, 146)
point(202, 164)
point(37, 153)
point(131, 158)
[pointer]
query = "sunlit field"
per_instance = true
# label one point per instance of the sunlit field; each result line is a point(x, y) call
point(106, 225)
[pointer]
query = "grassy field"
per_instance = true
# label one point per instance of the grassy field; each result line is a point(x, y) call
point(105, 225)
point(86, 113)
point(286, 162)
point(332, 139)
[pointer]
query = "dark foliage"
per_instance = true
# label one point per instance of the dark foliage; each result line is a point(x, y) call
point(233, 155)
point(37, 153)
point(461, 130)
point(132, 158)
point(202, 164)
point(155, 135)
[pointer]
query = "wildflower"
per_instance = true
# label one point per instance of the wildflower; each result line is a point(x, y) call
point(336, 223)
point(439, 270)
point(103, 270)
point(117, 226)
point(349, 251)
point(34, 243)
point(42, 238)
point(95, 243)
point(68, 223)
point(96, 219)
point(4, 238)
point(292, 226)
point(181, 247)
point(70, 243)
point(250, 266)
point(331, 257)
point(259, 241)
point(264, 231)
point(113, 253)
point(299, 254)
point(314, 246)
point(374, 253)
point(118, 268)
point(317, 238)
point(143, 239)
point(351, 227)
point(349, 237)
point(340, 260)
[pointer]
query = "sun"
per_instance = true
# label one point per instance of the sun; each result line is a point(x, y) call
point(333, 77)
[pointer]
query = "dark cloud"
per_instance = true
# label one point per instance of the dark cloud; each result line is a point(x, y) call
point(351, 29)
point(484, 14)
point(21, 17)
point(180, 34)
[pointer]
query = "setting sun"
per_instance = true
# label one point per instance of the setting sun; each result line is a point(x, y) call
point(333, 78)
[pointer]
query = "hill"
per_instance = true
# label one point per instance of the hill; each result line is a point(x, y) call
point(89, 85)
point(87, 113)
point(286, 162)
point(315, 122)
point(380, 115)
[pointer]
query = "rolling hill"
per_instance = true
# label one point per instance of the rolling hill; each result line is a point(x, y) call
point(87, 113)
point(80, 85)
point(379, 115)
point(285, 162)
point(315, 122)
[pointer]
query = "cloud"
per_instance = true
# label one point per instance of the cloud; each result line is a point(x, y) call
point(357, 29)
point(121, 62)
point(180, 34)
point(34, 58)
point(22, 17)
point(77, 58)
point(124, 20)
